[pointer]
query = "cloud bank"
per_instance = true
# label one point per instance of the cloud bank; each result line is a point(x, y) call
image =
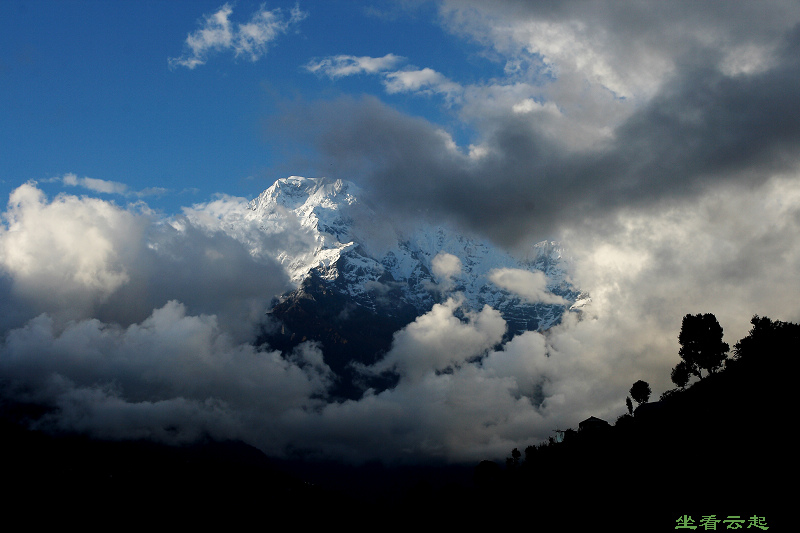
point(658, 141)
point(79, 257)
point(600, 108)
point(128, 326)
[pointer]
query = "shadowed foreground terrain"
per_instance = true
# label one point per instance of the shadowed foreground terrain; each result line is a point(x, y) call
point(718, 447)
point(70, 479)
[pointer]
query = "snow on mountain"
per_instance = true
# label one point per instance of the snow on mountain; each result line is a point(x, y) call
point(363, 254)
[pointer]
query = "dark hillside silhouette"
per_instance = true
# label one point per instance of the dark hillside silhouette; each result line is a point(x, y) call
point(719, 447)
point(75, 480)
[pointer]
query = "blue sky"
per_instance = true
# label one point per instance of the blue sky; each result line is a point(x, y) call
point(659, 142)
point(540, 110)
point(88, 89)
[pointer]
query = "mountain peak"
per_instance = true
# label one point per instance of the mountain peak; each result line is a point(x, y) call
point(365, 254)
point(296, 191)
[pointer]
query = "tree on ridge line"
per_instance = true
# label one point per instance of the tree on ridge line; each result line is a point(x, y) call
point(640, 391)
point(702, 347)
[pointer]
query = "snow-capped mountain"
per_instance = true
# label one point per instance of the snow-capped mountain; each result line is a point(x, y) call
point(360, 276)
point(363, 255)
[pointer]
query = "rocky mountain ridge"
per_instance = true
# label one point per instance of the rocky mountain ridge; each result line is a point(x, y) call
point(360, 275)
point(368, 257)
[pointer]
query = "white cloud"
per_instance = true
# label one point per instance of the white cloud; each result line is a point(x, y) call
point(106, 186)
point(585, 122)
point(424, 80)
point(151, 191)
point(446, 268)
point(215, 35)
point(251, 39)
point(179, 370)
point(94, 184)
point(629, 50)
point(438, 339)
point(68, 252)
point(266, 236)
point(446, 265)
point(263, 28)
point(529, 105)
point(532, 286)
point(77, 258)
point(731, 252)
point(347, 65)
point(408, 80)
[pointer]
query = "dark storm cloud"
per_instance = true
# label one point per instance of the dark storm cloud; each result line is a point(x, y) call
point(713, 115)
point(702, 127)
point(705, 127)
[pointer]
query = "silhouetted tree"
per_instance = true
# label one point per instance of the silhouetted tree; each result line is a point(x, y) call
point(701, 344)
point(513, 461)
point(640, 391)
point(629, 405)
point(680, 374)
point(770, 337)
point(530, 453)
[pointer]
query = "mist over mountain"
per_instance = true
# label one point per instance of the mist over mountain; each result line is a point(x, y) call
point(365, 255)
point(520, 202)
point(309, 323)
point(235, 318)
point(365, 276)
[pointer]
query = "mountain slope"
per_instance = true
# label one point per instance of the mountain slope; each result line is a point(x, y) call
point(360, 275)
point(365, 255)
